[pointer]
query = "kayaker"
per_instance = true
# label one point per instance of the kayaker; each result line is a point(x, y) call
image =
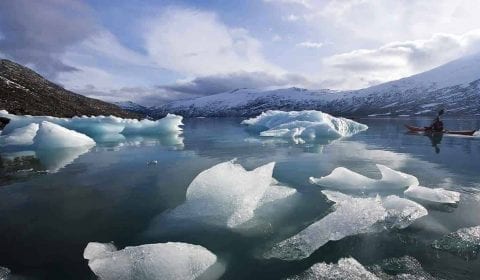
point(437, 124)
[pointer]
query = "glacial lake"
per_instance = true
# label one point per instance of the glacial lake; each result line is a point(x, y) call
point(115, 192)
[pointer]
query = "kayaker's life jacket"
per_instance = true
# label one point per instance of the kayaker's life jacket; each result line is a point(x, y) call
point(437, 125)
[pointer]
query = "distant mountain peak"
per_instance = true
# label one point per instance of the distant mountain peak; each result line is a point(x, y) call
point(454, 86)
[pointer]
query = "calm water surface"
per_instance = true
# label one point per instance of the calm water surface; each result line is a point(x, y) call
point(111, 193)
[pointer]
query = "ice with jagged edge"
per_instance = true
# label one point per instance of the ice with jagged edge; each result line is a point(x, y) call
point(46, 135)
point(4, 273)
point(100, 125)
point(346, 268)
point(463, 242)
point(227, 195)
point(172, 260)
point(351, 216)
point(307, 124)
point(343, 178)
point(436, 195)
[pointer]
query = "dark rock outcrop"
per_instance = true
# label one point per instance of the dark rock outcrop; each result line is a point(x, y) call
point(24, 92)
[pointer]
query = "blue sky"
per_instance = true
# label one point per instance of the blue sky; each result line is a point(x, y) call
point(152, 52)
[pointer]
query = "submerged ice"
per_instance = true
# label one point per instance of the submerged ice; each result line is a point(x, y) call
point(463, 242)
point(172, 260)
point(351, 216)
point(342, 178)
point(303, 124)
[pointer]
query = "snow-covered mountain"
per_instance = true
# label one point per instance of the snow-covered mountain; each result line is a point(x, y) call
point(133, 107)
point(454, 86)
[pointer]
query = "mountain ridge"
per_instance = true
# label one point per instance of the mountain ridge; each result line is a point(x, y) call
point(25, 92)
point(454, 85)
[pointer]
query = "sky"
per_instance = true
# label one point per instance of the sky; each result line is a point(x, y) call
point(152, 52)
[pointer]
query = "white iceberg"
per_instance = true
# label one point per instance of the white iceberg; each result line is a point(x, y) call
point(53, 136)
point(463, 242)
point(226, 195)
point(437, 195)
point(172, 260)
point(305, 124)
point(100, 125)
point(345, 269)
point(351, 216)
point(22, 136)
point(342, 178)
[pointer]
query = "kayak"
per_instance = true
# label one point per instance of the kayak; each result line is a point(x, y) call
point(422, 129)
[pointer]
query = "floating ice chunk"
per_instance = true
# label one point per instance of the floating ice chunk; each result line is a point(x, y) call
point(96, 250)
point(226, 195)
point(100, 125)
point(351, 216)
point(305, 124)
point(94, 126)
point(22, 136)
point(342, 178)
point(170, 260)
point(437, 195)
point(402, 212)
point(345, 269)
point(4, 273)
point(464, 242)
point(50, 135)
point(169, 124)
point(230, 189)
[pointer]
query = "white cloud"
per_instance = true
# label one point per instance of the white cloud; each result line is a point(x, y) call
point(276, 38)
point(194, 42)
point(383, 21)
point(310, 45)
point(364, 67)
point(304, 3)
point(291, 18)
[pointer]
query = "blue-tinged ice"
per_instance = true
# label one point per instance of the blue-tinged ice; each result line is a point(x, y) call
point(351, 216)
point(307, 124)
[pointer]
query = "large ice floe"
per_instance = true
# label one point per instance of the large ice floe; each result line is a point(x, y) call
point(59, 141)
point(342, 178)
point(351, 216)
point(172, 260)
point(226, 195)
point(464, 242)
point(437, 195)
point(303, 124)
point(94, 126)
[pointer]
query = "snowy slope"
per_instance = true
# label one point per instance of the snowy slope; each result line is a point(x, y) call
point(455, 86)
point(132, 107)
